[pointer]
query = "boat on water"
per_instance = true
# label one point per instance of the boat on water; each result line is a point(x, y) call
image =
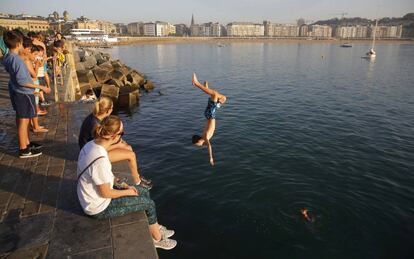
point(371, 54)
point(91, 36)
point(220, 45)
point(346, 45)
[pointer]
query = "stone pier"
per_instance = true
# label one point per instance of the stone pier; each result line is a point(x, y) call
point(40, 214)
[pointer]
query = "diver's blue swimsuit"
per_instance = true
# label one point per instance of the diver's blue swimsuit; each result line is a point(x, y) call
point(210, 112)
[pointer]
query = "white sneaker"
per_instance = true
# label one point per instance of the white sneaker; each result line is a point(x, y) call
point(166, 232)
point(165, 243)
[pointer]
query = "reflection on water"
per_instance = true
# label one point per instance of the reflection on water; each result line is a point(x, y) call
point(371, 65)
point(305, 126)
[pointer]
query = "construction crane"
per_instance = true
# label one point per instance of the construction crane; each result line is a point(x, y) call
point(342, 14)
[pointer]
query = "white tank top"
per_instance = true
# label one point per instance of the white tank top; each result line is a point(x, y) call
point(41, 71)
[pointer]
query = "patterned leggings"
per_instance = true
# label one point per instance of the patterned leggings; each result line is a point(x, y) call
point(128, 204)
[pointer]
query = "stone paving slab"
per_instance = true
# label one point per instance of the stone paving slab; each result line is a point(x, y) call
point(26, 232)
point(126, 238)
point(40, 216)
point(38, 251)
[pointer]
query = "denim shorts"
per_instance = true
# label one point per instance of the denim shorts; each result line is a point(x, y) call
point(23, 104)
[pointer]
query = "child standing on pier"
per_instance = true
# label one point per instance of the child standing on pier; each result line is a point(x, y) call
point(214, 102)
point(30, 58)
point(21, 93)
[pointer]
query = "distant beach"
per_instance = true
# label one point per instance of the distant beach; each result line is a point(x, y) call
point(225, 40)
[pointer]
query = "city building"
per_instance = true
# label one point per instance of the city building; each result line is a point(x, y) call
point(280, 30)
point(85, 23)
point(196, 30)
point(223, 31)
point(181, 30)
point(107, 27)
point(149, 29)
point(60, 24)
point(320, 31)
point(215, 29)
point(386, 31)
point(245, 29)
point(135, 28)
point(205, 30)
point(163, 29)
point(303, 30)
point(29, 23)
point(347, 32)
point(121, 28)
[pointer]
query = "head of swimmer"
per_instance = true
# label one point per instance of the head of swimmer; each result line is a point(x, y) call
point(197, 140)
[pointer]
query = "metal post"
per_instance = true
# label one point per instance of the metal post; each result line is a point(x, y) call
point(55, 80)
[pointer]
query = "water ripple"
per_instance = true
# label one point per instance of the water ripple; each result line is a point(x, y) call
point(333, 135)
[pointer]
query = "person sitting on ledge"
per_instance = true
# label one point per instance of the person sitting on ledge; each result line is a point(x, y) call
point(95, 184)
point(118, 151)
point(88, 97)
point(214, 102)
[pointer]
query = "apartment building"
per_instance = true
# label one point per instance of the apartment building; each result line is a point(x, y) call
point(245, 29)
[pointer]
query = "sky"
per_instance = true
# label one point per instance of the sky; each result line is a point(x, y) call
point(222, 11)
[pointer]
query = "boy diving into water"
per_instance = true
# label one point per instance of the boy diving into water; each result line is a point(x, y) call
point(214, 102)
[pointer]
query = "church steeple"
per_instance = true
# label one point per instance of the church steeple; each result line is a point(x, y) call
point(192, 20)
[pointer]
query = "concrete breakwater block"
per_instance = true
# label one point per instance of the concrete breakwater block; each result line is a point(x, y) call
point(101, 75)
point(117, 74)
point(99, 58)
point(128, 99)
point(127, 89)
point(111, 78)
point(110, 91)
point(115, 82)
point(79, 66)
point(76, 56)
point(86, 77)
point(135, 79)
point(107, 66)
point(90, 62)
point(116, 64)
point(148, 86)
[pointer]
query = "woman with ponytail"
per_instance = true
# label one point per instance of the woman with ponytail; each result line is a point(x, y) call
point(102, 109)
point(119, 151)
point(95, 189)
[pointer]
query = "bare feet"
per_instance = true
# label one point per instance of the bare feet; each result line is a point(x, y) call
point(195, 80)
point(40, 130)
point(42, 112)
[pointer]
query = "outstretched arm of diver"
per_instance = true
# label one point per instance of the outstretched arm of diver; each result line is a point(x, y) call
point(210, 152)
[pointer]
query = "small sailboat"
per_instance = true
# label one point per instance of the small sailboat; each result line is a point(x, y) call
point(371, 54)
point(346, 44)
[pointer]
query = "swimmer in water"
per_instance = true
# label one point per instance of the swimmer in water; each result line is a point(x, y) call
point(214, 102)
point(306, 215)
